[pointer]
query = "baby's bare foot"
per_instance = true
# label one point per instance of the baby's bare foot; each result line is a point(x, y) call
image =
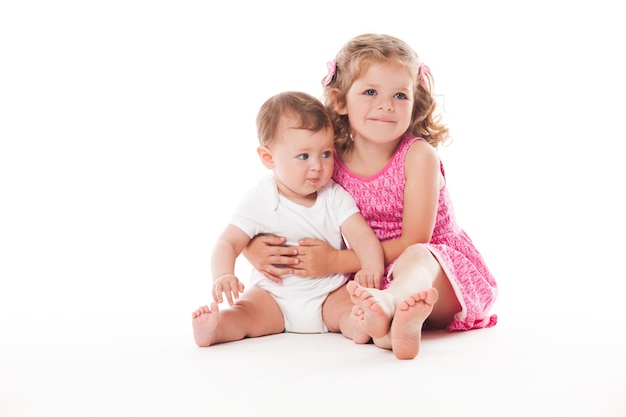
point(359, 335)
point(406, 328)
point(205, 324)
point(377, 309)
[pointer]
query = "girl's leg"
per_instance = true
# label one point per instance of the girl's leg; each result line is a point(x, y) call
point(418, 270)
point(254, 314)
point(406, 328)
point(337, 315)
point(419, 292)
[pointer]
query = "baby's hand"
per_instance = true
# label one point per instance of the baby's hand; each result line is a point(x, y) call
point(369, 278)
point(229, 285)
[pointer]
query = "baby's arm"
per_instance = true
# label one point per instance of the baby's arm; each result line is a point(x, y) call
point(225, 252)
point(367, 247)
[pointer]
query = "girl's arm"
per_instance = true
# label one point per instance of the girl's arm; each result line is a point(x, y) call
point(367, 248)
point(317, 259)
point(269, 255)
point(421, 196)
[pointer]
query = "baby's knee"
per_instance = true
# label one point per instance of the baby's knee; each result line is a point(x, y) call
point(337, 299)
point(336, 306)
point(256, 302)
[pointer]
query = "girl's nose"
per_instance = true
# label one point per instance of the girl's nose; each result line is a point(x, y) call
point(385, 104)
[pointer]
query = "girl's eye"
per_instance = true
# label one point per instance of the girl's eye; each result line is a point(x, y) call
point(327, 154)
point(401, 96)
point(303, 156)
point(370, 92)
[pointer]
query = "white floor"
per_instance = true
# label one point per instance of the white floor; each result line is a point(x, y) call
point(569, 369)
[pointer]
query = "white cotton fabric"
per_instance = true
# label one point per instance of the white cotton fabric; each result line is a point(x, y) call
point(263, 210)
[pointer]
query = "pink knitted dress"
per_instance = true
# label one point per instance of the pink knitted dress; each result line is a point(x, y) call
point(381, 200)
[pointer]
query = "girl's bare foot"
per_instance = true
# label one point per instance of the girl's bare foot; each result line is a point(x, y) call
point(406, 328)
point(377, 307)
point(205, 324)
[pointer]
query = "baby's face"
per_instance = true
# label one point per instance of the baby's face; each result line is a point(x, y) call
point(303, 160)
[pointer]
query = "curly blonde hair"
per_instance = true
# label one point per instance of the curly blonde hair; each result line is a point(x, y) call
point(354, 58)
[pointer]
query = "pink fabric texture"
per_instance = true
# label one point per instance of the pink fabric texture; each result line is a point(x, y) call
point(381, 201)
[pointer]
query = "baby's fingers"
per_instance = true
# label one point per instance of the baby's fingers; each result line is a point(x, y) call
point(217, 293)
point(368, 279)
point(231, 292)
point(231, 289)
point(361, 279)
point(376, 278)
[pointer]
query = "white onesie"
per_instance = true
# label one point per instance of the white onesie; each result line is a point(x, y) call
point(263, 210)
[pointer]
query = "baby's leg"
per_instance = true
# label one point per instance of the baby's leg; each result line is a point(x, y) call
point(374, 311)
point(406, 327)
point(357, 317)
point(337, 315)
point(254, 314)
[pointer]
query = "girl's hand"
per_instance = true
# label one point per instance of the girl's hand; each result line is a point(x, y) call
point(369, 278)
point(315, 259)
point(268, 255)
point(229, 285)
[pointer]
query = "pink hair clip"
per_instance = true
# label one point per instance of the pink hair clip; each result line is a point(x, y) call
point(332, 67)
point(422, 73)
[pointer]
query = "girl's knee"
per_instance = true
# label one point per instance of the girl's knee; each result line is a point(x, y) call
point(419, 251)
point(415, 254)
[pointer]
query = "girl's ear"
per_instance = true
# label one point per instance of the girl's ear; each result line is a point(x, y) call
point(266, 156)
point(338, 102)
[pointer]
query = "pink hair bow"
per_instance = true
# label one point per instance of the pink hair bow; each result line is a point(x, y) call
point(422, 73)
point(332, 67)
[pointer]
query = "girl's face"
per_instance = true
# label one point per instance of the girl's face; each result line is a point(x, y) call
point(302, 160)
point(379, 103)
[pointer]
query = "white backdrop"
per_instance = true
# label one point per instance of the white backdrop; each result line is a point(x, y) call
point(127, 134)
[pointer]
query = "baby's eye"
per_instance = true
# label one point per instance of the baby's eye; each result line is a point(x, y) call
point(401, 96)
point(327, 154)
point(370, 92)
point(303, 156)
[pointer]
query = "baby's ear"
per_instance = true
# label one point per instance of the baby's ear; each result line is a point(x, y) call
point(266, 156)
point(339, 103)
